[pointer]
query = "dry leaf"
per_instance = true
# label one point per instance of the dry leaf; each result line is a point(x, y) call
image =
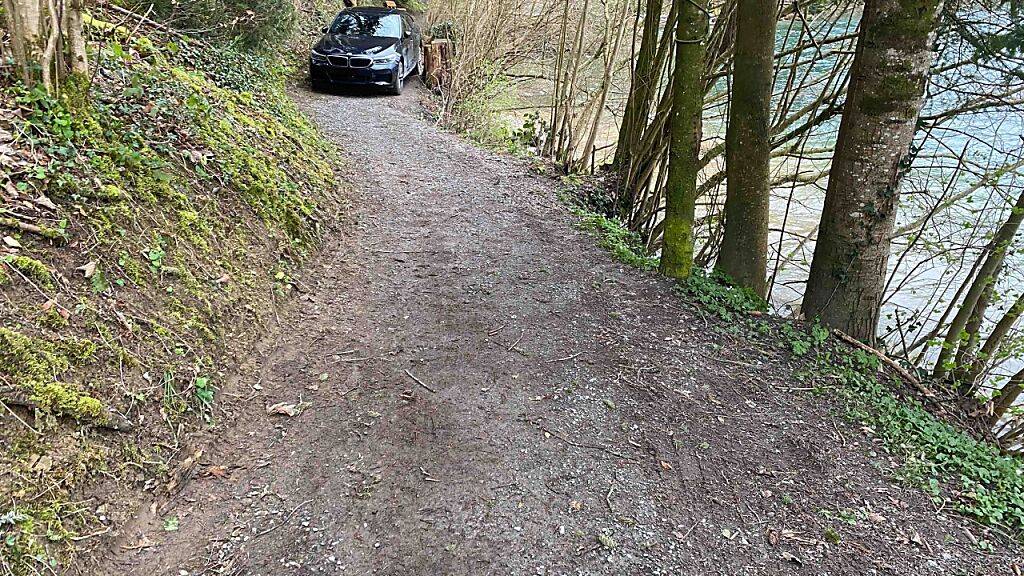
point(217, 471)
point(45, 202)
point(791, 558)
point(89, 270)
point(286, 409)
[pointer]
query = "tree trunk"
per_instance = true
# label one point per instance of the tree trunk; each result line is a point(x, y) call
point(975, 301)
point(744, 252)
point(685, 132)
point(641, 92)
point(887, 81)
point(77, 58)
point(994, 341)
point(47, 40)
point(25, 24)
point(1006, 398)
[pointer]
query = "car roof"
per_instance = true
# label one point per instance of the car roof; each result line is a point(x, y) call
point(372, 10)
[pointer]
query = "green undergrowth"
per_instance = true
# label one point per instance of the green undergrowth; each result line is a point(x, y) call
point(956, 469)
point(624, 245)
point(163, 205)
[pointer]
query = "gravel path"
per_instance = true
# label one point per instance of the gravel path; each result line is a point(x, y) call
point(490, 393)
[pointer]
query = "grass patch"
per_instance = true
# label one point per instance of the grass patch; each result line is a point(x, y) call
point(953, 467)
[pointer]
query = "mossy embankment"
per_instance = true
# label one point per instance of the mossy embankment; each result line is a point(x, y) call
point(152, 216)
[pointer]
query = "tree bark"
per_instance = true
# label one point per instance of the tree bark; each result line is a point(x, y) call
point(744, 251)
point(641, 92)
point(77, 58)
point(1006, 398)
point(685, 132)
point(47, 40)
point(25, 24)
point(994, 341)
point(888, 78)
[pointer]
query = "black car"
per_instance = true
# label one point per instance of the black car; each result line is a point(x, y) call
point(368, 46)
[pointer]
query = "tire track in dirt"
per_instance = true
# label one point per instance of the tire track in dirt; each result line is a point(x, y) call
point(571, 416)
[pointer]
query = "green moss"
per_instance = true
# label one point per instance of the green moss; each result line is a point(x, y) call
point(53, 319)
point(33, 363)
point(59, 399)
point(911, 24)
point(32, 269)
point(132, 267)
point(898, 91)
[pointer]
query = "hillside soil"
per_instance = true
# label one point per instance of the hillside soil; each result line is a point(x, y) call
point(467, 384)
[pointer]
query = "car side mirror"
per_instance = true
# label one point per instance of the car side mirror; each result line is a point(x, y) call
point(408, 33)
point(325, 29)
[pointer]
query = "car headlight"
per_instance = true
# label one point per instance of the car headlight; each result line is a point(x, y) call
point(318, 56)
point(387, 59)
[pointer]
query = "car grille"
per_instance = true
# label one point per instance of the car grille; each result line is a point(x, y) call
point(358, 62)
point(338, 61)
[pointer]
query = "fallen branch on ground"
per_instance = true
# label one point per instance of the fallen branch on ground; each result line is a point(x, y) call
point(900, 370)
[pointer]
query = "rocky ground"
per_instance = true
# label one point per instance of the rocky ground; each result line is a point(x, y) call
point(469, 385)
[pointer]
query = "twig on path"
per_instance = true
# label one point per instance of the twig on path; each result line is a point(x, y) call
point(282, 522)
point(89, 536)
point(420, 382)
point(513, 345)
point(587, 446)
point(496, 330)
point(352, 360)
point(18, 418)
point(574, 356)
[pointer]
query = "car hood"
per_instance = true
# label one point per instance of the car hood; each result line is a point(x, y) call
point(340, 44)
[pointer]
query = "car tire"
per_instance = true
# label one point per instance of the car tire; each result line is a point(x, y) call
point(398, 83)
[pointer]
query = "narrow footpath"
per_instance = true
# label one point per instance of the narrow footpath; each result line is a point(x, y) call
point(476, 388)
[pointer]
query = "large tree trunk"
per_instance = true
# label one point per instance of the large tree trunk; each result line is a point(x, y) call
point(685, 130)
point(26, 24)
point(47, 40)
point(744, 252)
point(888, 78)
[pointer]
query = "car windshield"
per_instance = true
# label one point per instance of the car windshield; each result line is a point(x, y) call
point(362, 24)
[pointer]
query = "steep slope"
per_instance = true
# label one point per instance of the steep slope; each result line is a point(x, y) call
point(151, 217)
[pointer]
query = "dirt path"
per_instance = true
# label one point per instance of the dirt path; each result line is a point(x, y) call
point(500, 397)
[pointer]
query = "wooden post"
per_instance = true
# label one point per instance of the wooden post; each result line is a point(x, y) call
point(437, 55)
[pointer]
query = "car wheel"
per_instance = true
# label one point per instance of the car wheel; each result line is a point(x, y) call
point(398, 83)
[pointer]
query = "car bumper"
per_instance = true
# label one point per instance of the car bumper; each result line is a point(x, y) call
point(376, 75)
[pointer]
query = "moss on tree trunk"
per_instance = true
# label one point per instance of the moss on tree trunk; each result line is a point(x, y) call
point(685, 131)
